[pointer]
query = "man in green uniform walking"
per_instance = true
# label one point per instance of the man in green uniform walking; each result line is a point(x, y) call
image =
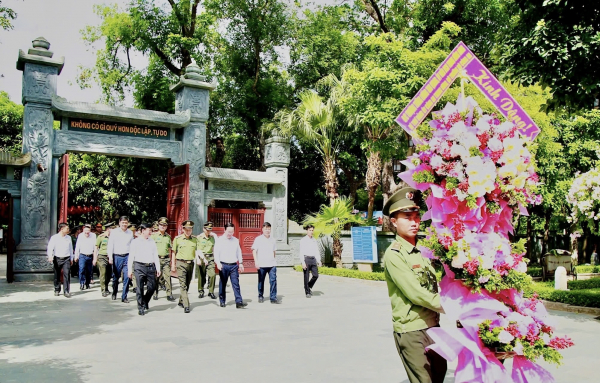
point(206, 261)
point(163, 243)
point(184, 253)
point(412, 287)
point(101, 258)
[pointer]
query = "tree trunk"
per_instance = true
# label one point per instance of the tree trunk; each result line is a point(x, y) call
point(574, 246)
point(331, 181)
point(209, 158)
point(337, 252)
point(546, 233)
point(389, 187)
point(373, 179)
point(529, 240)
point(584, 252)
point(353, 183)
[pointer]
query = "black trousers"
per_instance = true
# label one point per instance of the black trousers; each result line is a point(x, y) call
point(311, 268)
point(421, 366)
point(62, 266)
point(144, 274)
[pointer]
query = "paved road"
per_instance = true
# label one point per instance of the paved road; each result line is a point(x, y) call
point(342, 334)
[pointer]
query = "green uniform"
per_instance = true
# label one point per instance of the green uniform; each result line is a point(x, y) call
point(184, 250)
point(102, 262)
point(163, 243)
point(206, 269)
point(412, 288)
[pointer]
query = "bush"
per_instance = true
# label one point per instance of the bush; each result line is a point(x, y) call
point(545, 290)
point(371, 276)
point(587, 269)
point(593, 283)
point(534, 271)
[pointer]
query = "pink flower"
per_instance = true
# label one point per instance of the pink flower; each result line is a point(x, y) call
point(560, 343)
point(471, 266)
point(483, 279)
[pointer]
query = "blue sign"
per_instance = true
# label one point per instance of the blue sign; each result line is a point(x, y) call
point(364, 244)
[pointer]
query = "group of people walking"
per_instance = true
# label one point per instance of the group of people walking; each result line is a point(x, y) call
point(148, 256)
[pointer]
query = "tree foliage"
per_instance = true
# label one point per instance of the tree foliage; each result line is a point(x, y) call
point(6, 17)
point(11, 125)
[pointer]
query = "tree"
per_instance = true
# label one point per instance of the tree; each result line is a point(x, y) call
point(6, 16)
point(317, 121)
point(11, 125)
point(331, 220)
point(555, 43)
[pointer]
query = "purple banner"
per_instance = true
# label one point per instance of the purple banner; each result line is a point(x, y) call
point(461, 61)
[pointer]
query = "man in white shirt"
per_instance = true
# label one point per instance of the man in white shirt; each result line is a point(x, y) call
point(84, 252)
point(143, 260)
point(228, 258)
point(310, 257)
point(60, 254)
point(263, 251)
point(118, 252)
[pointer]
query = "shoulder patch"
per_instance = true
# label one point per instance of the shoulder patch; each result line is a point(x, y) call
point(395, 246)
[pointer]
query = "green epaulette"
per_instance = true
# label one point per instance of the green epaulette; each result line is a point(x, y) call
point(395, 246)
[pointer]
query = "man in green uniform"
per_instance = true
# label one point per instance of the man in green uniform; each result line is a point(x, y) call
point(205, 261)
point(184, 252)
point(101, 258)
point(163, 243)
point(412, 287)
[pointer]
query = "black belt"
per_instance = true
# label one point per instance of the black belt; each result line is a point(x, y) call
point(229, 264)
point(185, 260)
point(87, 255)
point(144, 264)
point(121, 255)
point(62, 257)
point(163, 256)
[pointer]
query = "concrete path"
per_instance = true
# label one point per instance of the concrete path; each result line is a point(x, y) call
point(342, 334)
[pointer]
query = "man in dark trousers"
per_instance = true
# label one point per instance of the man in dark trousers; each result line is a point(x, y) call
point(412, 287)
point(228, 258)
point(143, 260)
point(310, 258)
point(60, 254)
point(118, 251)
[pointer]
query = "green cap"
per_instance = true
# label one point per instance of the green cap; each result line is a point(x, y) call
point(208, 225)
point(188, 224)
point(163, 221)
point(406, 199)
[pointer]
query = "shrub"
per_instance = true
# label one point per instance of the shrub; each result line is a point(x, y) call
point(534, 271)
point(587, 269)
point(371, 276)
point(545, 290)
point(593, 283)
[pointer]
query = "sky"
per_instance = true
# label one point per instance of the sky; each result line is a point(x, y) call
point(59, 21)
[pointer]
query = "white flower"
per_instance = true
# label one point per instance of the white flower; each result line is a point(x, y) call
point(505, 337)
point(457, 131)
point(511, 144)
point(518, 349)
point(459, 151)
point(459, 259)
point(494, 144)
point(505, 127)
point(521, 267)
point(436, 161)
point(483, 125)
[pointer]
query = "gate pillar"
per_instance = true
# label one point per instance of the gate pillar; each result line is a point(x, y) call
point(192, 93)
point(40, 71)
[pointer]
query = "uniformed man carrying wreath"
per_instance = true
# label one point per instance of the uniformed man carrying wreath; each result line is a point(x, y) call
point(184, 252)
point(412, 288)
point(163, 243)
point(101, 258)
point(206, 261)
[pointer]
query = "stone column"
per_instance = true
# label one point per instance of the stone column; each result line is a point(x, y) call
point(40, 72)
point(192, 93)
point(277, 160)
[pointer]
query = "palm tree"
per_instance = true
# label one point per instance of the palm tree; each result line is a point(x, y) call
point(331, 220)
point(316, 121)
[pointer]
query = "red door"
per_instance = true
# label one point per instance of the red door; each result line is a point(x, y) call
point(63, 188)
point(248, 225)
point(178, 197)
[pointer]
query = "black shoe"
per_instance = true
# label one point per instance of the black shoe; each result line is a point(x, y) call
point(87, 287)
point(201, 294)
point(114, 297)
point(67, 295)
point(261, 299)
point(146, 306)
point(222, 304)
point(180, 304)
point(56, 293)
point(104, 294)
point(134, 290)
point(125, 300)
point(186, 310)
point(141, 311)
point(308, 295)
point(171, 298)
point(155, 297)
point(212, 296)
point(275, 302)
point(80, 287)
point(241, 305)
point(162, 288)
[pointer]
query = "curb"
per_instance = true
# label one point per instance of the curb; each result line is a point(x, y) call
point(572, 309)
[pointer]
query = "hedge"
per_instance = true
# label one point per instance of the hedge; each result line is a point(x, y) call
point(349, 273)
point(593, 283)
point(545, 290)
point(587, 269)
point(534, 271)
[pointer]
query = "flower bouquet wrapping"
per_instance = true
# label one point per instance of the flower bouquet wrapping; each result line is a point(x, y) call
point(477, 173)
